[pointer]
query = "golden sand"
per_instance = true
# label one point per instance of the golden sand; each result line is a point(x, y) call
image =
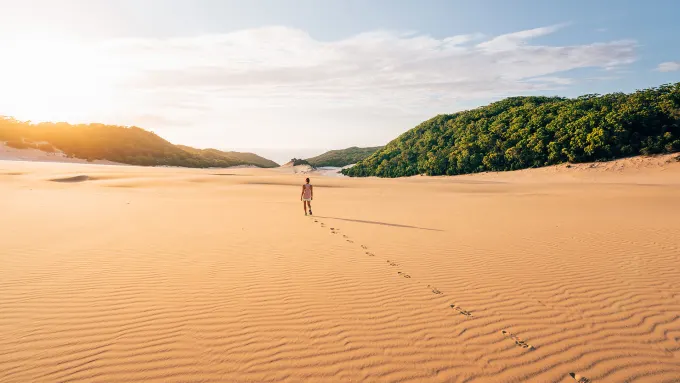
point(128, 274)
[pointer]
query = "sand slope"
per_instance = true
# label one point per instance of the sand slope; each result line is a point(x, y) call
point(120, 274)
point(8, 153)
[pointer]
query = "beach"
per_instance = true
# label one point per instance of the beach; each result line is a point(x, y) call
point(129, 274)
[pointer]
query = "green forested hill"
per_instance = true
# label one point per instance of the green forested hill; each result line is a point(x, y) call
point(128, 145)
point(342, 157)
point(242, 157)
point(523, 132)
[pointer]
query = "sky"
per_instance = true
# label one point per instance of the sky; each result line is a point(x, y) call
point(290, 78)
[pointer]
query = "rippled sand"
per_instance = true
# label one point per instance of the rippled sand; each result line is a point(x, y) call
point(124, 274)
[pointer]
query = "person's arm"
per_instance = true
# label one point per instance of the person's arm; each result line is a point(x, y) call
point(311, 189)
point(303, 192)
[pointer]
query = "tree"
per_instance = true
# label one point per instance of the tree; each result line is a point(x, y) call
point(522, 132)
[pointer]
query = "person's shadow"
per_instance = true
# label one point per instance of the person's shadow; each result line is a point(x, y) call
point(379, 223)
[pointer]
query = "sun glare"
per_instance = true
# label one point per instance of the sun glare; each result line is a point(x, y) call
point(53, 81)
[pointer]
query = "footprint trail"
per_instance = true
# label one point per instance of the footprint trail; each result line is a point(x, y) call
point(460, 310)
point(579, 378)
point(519, 342)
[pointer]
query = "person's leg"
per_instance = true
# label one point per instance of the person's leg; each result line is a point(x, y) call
point(304, 206)
point(309, 203)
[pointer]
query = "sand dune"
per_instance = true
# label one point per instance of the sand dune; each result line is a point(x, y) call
point(8, 153)
point(123, 274)
point(81, 178)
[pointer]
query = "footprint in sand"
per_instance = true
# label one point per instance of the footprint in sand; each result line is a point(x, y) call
point(460, 310)
point(344, 236)
point(517, 340)
point(579, 378)
point(434, 289)
point(364, 247)
point(350, 241)
point(403, 274)
point(392, 263)
point(370, 254)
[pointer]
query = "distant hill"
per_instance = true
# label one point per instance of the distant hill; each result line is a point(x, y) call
point(244, 157)
point(128, 145)
point(343, 157)
point(296, 162)
point(525, 132)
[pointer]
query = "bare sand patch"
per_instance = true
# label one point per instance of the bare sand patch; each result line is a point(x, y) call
point(174, 275)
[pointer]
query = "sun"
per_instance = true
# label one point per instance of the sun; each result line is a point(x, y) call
point(42, 80)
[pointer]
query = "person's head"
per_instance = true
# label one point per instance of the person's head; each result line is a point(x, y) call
point(307, 180)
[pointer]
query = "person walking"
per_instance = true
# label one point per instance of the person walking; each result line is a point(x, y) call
point(307, 196)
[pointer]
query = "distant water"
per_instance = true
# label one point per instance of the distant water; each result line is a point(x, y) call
point(329, 171)
point(332, 171)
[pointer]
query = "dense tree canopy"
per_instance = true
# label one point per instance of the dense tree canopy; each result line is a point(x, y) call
point(524, 132)
point(297, 162)
point(128, 145)
point(340, 158)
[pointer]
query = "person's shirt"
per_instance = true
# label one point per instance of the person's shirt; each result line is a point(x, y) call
point(308, 191)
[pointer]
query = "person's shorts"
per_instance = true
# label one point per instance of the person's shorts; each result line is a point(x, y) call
point(307, 200)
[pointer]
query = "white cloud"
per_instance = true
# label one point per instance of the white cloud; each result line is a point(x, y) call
point(513, 40)
point(288, 65)
point(670, 66)
point(283, 78)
